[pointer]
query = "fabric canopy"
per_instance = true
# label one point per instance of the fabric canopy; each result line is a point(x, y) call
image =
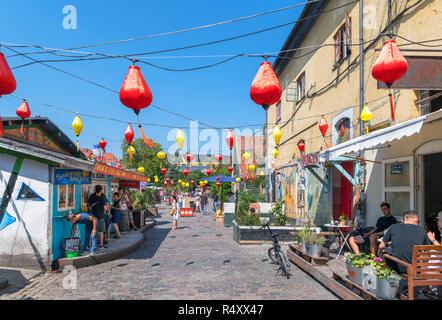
point(221, 179)
point(373, 139)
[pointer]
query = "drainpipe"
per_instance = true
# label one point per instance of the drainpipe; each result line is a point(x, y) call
point(360, 211)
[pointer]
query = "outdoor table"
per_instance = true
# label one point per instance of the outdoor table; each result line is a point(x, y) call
point(341, 235)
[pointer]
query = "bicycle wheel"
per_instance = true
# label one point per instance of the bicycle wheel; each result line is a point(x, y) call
point(272, 255)
point(282, 259)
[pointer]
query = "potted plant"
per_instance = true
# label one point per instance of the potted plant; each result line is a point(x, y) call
point(313, 244)
point(384, 282)
point(358, 266)
point(343, 220)
point(301, 235)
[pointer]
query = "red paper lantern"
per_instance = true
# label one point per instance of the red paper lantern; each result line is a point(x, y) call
point(189, 157)
point(323, 126)
point(230, 138)
point(230, 170)
point(218, 184)
point(23, 112)
point(390, 66)
point(247, 178)
point(118, 165)
point(208, 171)
point(192, 182)
point(129, 134)
point(165, 183)
point(163, 171)
point(7, 80)
point(253, 178)
point(102, 143)
point(203, 186)
point(171, 183)
point(167, 179)
point(134, 93)
point(185, 172)
point(301, 145)
point(217, 178)
point(266, 89)
point(218, 157)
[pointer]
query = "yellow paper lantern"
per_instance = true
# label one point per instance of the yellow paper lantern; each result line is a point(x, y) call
point(252, 167)
point(277, 135)
point(246, 155)
point(161, 155)
point(275, 153)
point(206, 182)
point(180, 139)
point(233, 182)
point(238, 179)
point(366, 115)
point(179, 181)
point(77, 125)
point(148, 180)
point(201, 183)
point(183, 184)
point(140, 169)
point(187, 184)
point(156, 180)
point(131, 151)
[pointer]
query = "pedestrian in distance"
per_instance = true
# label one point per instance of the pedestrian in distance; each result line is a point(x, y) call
point(117, 208)
point(130, 210)
point(98, 204)
point(91, 224)
point(176, 209)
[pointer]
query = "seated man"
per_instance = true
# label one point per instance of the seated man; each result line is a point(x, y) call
point(404, 236)
point(374, 234)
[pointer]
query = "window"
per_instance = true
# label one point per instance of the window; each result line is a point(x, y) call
point(66, 197)
point(300, 87)
point(26, 193)
point(429, 101)
point(398, 184)
point(343, 41)
point(278, 111)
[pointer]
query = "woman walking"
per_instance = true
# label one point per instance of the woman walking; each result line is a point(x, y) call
point(117, 208)
point(177, 212)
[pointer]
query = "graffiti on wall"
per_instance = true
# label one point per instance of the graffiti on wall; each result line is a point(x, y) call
point(316, 196)
point(7, 219)
point(288, 192)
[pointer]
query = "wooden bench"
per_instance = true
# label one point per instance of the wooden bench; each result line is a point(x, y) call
point(311, 259)
point(425, 269)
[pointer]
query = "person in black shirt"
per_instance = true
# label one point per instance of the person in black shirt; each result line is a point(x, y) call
point(98, 204)
point(404, 236)
point(374, 234)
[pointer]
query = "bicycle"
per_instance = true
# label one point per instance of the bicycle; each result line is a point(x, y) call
point(275, 253)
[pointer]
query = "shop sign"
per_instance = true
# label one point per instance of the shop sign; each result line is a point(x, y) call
point(131, 184)
point(311, 159)
point(396, 169)
point(72, 176)
point(120, 173)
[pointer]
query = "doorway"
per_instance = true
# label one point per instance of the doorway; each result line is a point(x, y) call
point(432, 184)
point(342, 192)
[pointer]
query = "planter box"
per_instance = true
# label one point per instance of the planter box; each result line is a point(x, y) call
point(357, 275)
point(313, 249)
point(384, 288)
point(246, 233)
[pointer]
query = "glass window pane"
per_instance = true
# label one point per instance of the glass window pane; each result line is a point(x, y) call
point(71, 191)
point(397, 174)
point(399, 202)
point(61, 196)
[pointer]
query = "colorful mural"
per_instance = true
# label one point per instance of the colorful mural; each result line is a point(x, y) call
point(7, 219)
point(317, 205)
point(288, 191)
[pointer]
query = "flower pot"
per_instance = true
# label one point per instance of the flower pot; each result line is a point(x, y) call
point(314, 250)
point(303, 246)
point(357, 275)
point(385, 288)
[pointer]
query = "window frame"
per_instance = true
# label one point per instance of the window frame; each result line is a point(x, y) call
point(300, 80)
point(409, 189)
point(342, 41)
point(66, 197)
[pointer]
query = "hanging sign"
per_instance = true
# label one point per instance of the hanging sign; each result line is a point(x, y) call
point(72, 176)
point(311, 159)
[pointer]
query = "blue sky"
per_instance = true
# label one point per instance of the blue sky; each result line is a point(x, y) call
point(218, 96)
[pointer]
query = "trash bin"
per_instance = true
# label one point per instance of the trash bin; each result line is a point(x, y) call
point(139, 218)
point(124, 222)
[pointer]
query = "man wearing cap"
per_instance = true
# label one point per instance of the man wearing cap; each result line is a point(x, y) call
point(91, 229)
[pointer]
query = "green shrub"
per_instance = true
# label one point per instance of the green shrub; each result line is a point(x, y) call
point(277, 214)
point(243, 215)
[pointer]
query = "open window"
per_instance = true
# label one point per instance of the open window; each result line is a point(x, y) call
point(342, 41)
point(300, 87)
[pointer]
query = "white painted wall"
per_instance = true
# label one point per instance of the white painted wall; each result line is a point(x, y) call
point(29, 233)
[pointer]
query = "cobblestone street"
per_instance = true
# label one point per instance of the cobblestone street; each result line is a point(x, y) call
point(199, 260)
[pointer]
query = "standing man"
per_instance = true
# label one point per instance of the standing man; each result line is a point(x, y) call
point(124, 212)
point(215, 202)
point(374, 234)
point(91, 230)
point(203, 202)
point(98, 204)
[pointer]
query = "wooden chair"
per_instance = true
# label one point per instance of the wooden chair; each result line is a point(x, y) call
point(425, 269)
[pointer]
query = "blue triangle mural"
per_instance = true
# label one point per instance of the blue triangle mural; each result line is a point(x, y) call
point(7, 219)
point(26, 193)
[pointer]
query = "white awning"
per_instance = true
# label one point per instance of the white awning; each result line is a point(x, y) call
point(404, 129)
